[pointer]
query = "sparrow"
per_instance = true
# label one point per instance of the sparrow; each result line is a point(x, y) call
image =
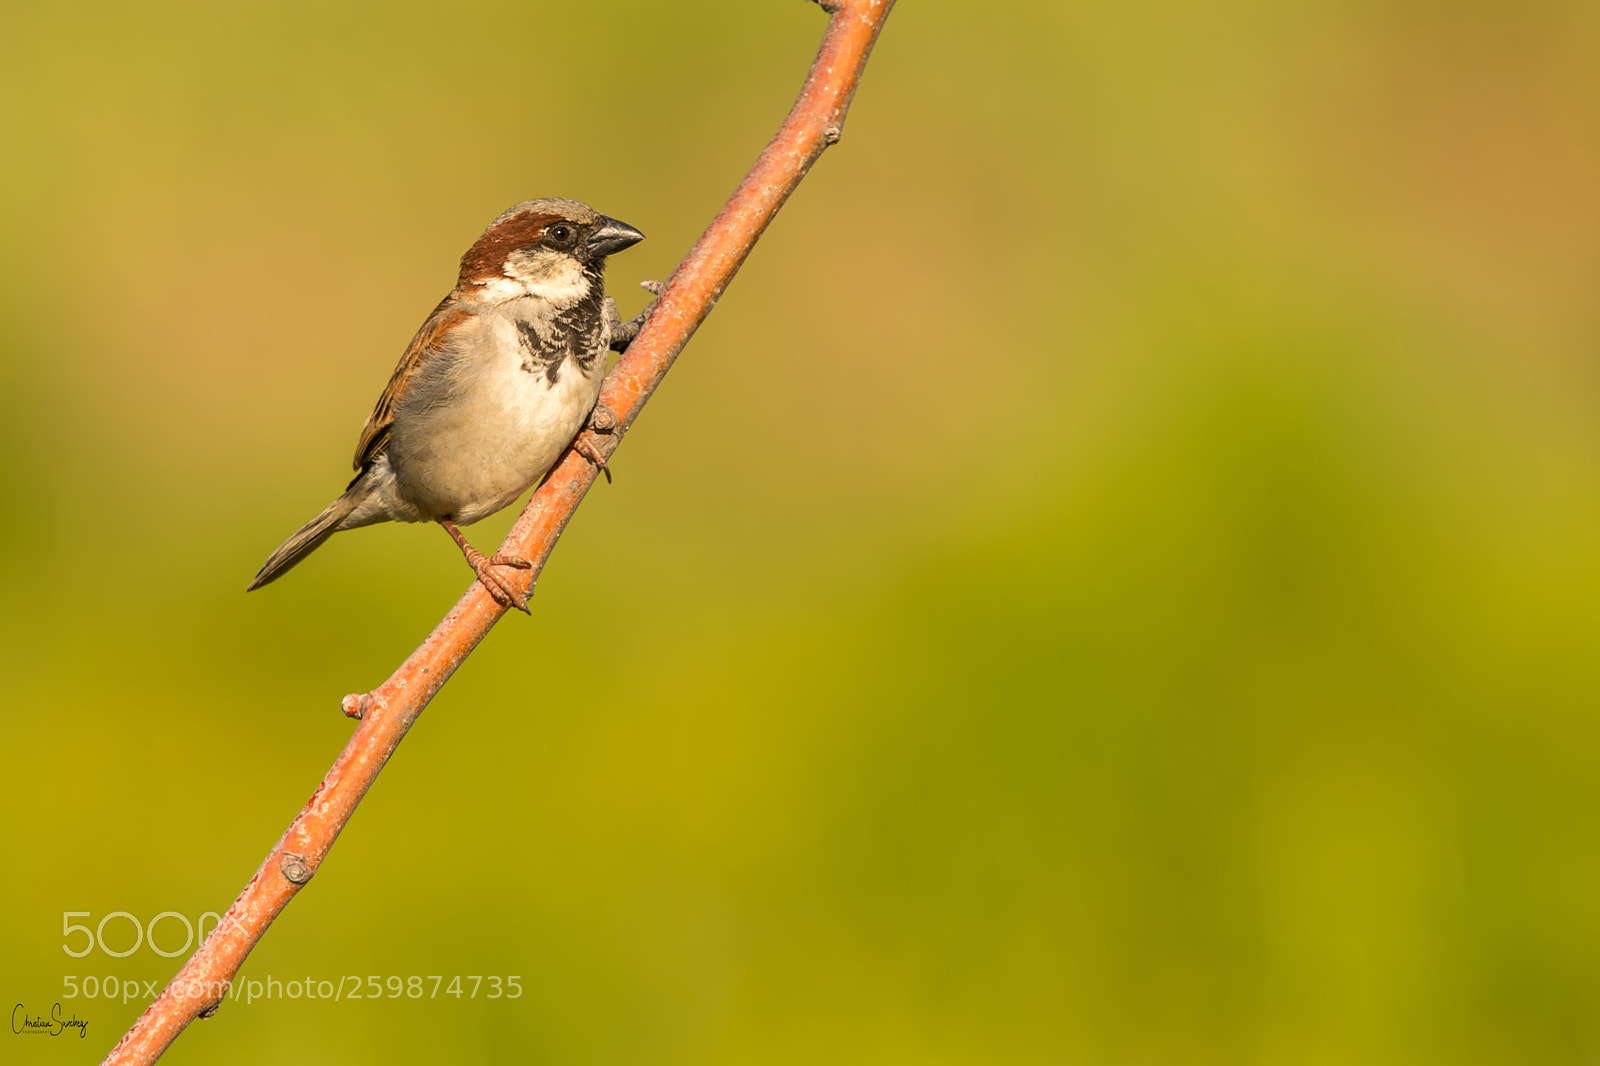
point(492, 390)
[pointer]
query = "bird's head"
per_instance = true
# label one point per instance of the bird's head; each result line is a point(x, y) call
point(554, 249)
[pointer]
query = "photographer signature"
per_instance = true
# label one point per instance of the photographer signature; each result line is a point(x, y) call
point(55, 1025)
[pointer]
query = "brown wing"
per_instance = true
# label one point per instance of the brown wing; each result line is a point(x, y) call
point(425, 345)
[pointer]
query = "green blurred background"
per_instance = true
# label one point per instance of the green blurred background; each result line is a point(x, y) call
point(1114, 582)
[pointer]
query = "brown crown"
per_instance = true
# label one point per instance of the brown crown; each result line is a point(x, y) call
point(488, 253)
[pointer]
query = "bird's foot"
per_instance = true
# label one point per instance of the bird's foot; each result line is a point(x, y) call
point(623, 333)
point(506, 593)
point(516, 562)
point(601, 420)
point(585, 447)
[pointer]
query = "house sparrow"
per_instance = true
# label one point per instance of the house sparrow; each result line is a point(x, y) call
point(492, 389)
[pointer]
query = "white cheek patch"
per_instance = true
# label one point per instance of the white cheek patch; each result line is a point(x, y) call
point(500, 289)
point(547, 275)
point(563, 291)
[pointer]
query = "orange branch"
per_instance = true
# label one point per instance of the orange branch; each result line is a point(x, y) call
point(389, 710)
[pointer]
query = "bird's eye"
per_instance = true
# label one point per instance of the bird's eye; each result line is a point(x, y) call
point(560, 233)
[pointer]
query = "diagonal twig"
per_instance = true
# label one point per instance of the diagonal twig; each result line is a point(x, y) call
point(388, 711)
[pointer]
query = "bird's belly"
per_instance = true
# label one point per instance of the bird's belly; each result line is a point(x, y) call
point(501, 431)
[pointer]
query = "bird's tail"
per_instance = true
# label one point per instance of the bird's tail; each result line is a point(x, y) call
point(307, 540)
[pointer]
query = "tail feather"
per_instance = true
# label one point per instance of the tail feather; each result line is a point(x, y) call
point(306, 541)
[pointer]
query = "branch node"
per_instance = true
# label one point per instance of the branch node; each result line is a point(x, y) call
point(356, 705)
point(211, 1011)
point(831, 133)
point(294, 868)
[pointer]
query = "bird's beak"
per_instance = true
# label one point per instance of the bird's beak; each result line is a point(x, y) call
point(612, 237)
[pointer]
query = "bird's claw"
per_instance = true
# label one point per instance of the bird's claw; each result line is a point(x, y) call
point(601, 420)
point(516, 562)
point(623, 333)
point(504, 593)
point(585, 447)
